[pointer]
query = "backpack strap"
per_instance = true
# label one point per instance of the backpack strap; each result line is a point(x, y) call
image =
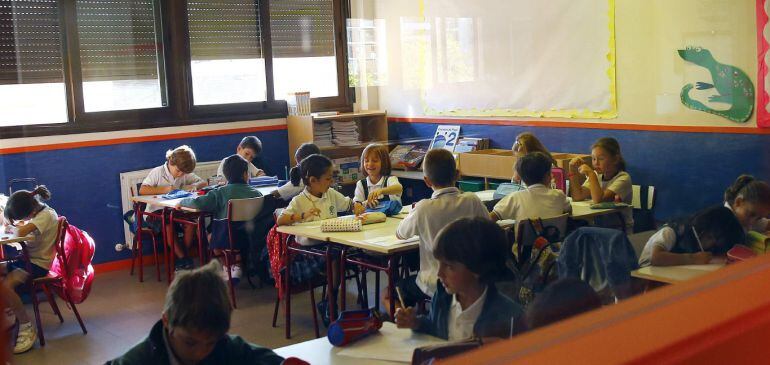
point(365, 185)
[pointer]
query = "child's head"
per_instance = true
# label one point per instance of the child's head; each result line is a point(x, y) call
point(717, 228)
point(304, 150)
point(236, 169)
point(23, 204)
point(562, 299)
point(439, 168)
point(316, 173)
point(197, 312)
point(606, 156)
point(375, 160)
point(181, 161)
point(749, 198)
point(249, 148)
point(470, 251)
point(534, 168)
point(527, 143)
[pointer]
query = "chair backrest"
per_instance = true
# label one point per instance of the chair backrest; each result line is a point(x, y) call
point(242, 210)
point(643, 197)
point(559, 179)
point(30, 182)
point(61, 236)
point(526, 234)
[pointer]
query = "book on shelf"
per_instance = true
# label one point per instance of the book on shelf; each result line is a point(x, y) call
point(414, 157)
point(470, 144)
point(398, 154)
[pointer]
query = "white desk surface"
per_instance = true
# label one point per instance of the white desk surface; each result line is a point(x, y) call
point(385, 230)
point(321, 352)
point(675, 274)
point(157, 200)
point(7, 238)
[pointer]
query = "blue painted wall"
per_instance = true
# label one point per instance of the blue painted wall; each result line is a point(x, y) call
point(689, 170)
point(85, 182)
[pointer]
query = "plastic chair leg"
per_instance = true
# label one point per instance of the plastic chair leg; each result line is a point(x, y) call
point(275, 311)
point(77, 314)
point(155, 255)
point(36, 309)
point(313, 310)
point(52, 302)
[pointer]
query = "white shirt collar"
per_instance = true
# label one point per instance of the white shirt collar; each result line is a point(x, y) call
point(379, 182)
point(463, 320)
point(440, 192)
point(167, 173)
point(538, 186)
point(312, 197)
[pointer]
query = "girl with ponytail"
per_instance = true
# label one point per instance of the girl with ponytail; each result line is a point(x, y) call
point(749, 199)
point(295, 184)
point(26, 210)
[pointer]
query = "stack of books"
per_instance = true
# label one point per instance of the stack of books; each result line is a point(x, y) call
point(469, 144)
point(322, 134)
point(345, 134)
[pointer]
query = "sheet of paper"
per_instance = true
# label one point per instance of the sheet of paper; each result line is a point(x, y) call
point(390, 344)
point(390, 240)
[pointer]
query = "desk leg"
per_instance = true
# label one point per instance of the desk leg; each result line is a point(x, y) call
point(201, 224)
point(169, 229)
point(287, 293)
point(391, 285)
point(330, 283)
point(343, 282)
point(137, 250)
point(377, 289)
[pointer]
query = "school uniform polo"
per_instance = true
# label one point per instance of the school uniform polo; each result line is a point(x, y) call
point(536, 201)
point(427, 218)
point(288, 190)
point(760, 225)
point(461, 321)
point(621, 185)
point(161, 176)
point(253, 170)
point(665, 238)
point(330, 203)
point(42, 248)
point(361, 197)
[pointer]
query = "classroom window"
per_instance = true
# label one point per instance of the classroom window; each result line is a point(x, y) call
point(102, 65)
point(304, 49)
point(121, 55)
point(226, 58)
point(31, 71)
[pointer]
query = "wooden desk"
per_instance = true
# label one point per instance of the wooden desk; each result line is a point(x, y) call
point(157, 200)
point(675, 274)
point(397, 344)
point(582, 210)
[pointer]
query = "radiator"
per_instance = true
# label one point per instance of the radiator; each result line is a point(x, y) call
point(128, 181)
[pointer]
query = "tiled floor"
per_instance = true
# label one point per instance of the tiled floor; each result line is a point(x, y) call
point(120, 312)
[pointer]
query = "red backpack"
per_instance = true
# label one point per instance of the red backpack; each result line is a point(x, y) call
point(79, 250)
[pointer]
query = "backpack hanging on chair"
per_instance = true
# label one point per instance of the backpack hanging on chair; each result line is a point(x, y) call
point(533, 265)
point(79, 249)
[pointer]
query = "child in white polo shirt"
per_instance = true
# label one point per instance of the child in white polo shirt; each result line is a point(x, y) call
point(377, 185)
point(429, 216)
point(538, 200)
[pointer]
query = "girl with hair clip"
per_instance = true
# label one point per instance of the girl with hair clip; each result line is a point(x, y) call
point(605, 181)
point(295, 185)
point(29, 215)
point(527, 143)
point(377, 184)
point(693, 240)
point(749, 199)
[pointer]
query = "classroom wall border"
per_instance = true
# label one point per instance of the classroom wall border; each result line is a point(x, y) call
point(138, 139)
point(582, 125)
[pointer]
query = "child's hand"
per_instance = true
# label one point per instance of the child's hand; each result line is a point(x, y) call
point(167, 189)
point(372, 200)
point(406, 318)
point(574, 164)
point(701, 258)
point(313, 212)
point(358, 208)
point(585, 169)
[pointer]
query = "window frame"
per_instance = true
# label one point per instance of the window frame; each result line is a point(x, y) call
point(180, 110)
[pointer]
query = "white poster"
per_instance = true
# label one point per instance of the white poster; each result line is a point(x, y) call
point(446, 137)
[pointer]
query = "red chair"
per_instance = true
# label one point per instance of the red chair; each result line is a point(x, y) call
point(287, 289)
point(197, 219)
point(238, 210)
point(141, 230)
point(47, 283)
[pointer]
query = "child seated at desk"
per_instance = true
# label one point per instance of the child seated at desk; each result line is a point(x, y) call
point(236, 170)
point(377, 184)
point(471, 254)
point(176, 173)
point(42, 223)
point(429, 216)
point(749, 199)
point(249, 148)
point(538, 199)
point(606, 181)
point(693, 240)
point(295, 186)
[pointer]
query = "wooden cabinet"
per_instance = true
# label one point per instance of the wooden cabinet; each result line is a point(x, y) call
point(372, 127)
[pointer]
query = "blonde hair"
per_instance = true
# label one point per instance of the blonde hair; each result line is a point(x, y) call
point(382, 152)
point(182, 157)
point(530, 143)
point(611, 146)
